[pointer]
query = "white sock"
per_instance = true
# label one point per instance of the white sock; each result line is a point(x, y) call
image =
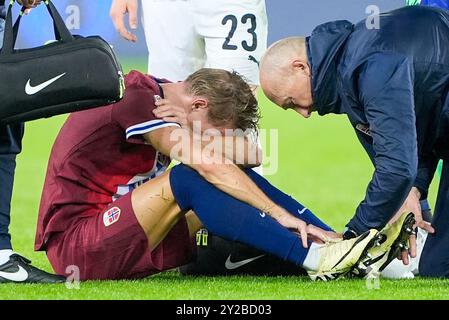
point(312, 260)
point(4, 255)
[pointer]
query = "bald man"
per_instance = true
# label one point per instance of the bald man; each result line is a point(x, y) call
point(393, 84)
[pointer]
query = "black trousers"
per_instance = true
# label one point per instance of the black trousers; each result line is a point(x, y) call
point(435, 256)
point(10, 146)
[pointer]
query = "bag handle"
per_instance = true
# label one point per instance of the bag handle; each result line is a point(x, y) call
point(61, 32)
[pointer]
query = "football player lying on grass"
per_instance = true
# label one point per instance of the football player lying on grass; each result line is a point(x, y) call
point(112, 208)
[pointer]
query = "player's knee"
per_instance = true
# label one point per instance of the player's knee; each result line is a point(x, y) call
point(184, 181)
point(182, 173)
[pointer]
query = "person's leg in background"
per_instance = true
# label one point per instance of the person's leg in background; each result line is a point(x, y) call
point(235, 35)
point(175, 49)
point(434, 260)
point(10, 146)
point(14, 268)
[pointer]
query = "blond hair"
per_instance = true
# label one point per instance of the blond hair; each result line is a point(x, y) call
point(229, 97)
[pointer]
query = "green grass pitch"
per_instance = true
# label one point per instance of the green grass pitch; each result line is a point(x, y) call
point(320, 163)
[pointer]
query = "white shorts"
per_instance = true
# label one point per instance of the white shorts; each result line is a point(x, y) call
point(186, 35)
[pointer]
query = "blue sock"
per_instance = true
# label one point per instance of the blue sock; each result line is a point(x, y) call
point(286, 201)
point(232, 219)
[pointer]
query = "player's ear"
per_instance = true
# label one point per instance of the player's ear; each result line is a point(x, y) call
point(199, 104)
point(300, 65)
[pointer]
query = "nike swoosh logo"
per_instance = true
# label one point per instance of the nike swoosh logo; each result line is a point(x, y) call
point(234, 265)
point(302, 211)
point(19, 276)
point(30, 90)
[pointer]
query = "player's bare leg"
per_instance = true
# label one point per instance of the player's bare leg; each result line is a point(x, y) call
point(155, 208)
point(157, 211)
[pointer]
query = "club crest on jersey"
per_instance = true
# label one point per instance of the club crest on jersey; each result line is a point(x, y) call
point(111, 216)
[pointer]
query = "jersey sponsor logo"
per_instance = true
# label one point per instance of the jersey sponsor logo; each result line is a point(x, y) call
point(30, 90)
point(230, 265)
point(111, 216)
point(19, 276)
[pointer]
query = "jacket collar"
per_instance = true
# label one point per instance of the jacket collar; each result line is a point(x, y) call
point(324, 48)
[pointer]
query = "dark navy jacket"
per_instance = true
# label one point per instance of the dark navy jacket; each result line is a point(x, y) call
point(393, 85)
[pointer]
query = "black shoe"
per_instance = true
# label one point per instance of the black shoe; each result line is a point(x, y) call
point(19, 270)
point(219, 257)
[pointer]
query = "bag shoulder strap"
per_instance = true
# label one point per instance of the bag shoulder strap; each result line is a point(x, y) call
point(10, 36)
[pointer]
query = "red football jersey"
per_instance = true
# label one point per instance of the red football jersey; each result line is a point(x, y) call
point(100, 155)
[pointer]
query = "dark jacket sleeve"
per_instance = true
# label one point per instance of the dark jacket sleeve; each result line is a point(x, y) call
point(427, 166)
point(385, 85)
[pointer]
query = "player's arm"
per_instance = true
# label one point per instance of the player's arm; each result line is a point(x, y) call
point(117, 13)
point(242, 150)
point(386, 93)
point(180, 144)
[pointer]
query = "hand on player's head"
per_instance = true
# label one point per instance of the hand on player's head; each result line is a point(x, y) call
point(117, 12)
point(171, 112)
